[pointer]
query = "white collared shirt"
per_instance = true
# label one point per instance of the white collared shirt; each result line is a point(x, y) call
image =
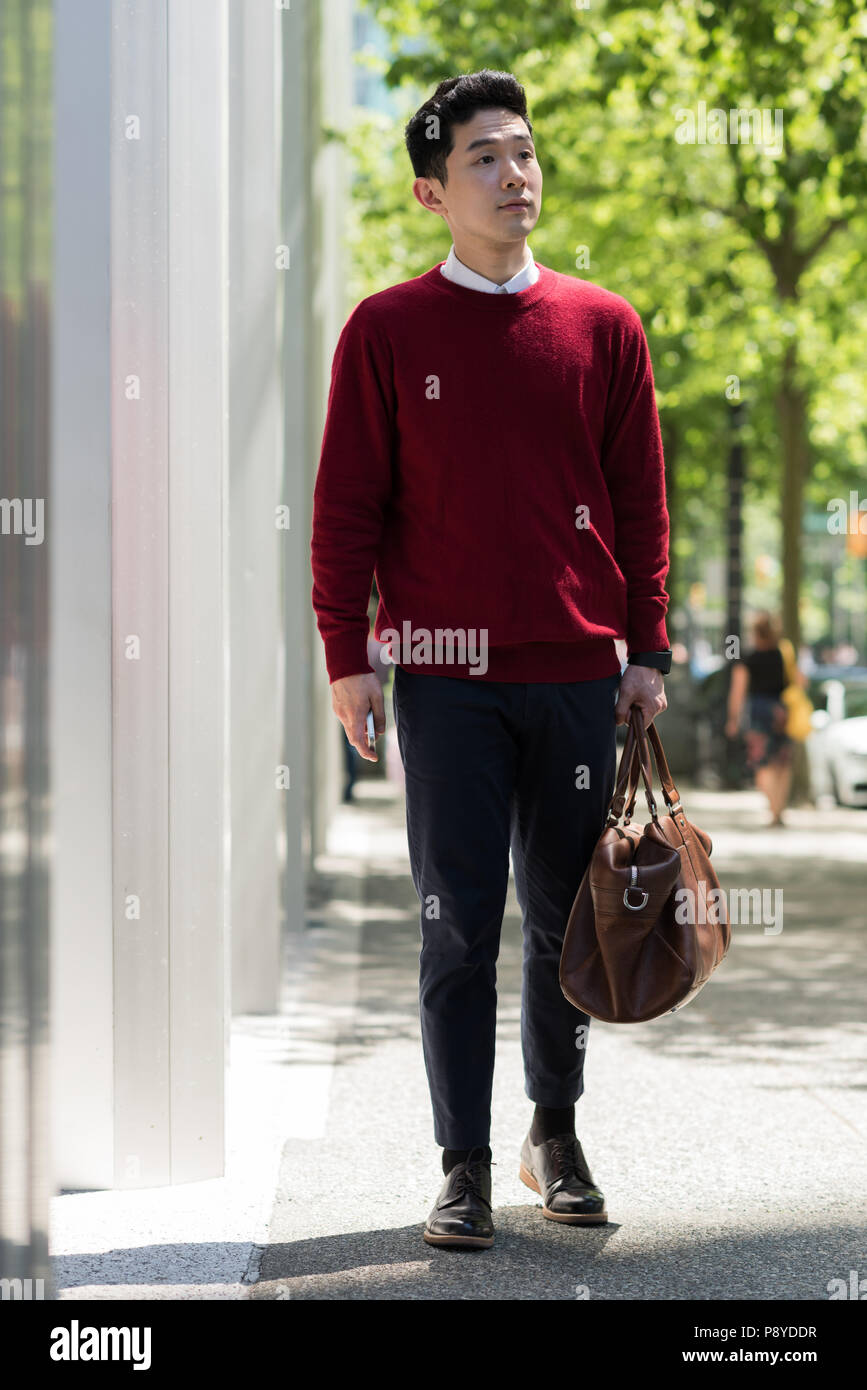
point(453, 269)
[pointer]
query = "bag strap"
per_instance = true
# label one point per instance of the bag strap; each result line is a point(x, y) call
point(669, 790)
point(635, 752)
point(623, 785)
point(644, 762)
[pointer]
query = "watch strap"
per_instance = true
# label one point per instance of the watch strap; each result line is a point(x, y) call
point(661, 661)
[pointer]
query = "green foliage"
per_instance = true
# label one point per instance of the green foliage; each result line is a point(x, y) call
point(26, 142)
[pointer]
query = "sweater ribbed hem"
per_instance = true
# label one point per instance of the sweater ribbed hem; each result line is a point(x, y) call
point(533, 662)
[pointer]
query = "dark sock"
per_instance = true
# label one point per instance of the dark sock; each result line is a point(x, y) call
point(453, 1156)
point(547, 1123)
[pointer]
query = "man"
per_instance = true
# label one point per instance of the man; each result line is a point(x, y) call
point(492, 450)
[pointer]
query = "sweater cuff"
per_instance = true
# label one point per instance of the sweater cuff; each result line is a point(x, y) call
point(346, 655)
point(646, 631)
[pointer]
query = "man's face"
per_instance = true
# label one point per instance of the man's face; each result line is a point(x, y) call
point(492, 164)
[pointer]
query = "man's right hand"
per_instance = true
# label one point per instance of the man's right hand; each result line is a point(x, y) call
point(351, 698)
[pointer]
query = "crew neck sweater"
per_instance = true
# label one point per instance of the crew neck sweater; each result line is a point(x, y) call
point(496, 461)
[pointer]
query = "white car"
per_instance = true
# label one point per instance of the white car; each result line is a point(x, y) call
point(837, 751)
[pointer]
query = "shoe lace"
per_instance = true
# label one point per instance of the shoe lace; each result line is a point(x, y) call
point(469, 1177)
point(566, 1159)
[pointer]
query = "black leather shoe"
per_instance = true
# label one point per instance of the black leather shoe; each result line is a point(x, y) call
point(462, 1214)
point(557, 1170)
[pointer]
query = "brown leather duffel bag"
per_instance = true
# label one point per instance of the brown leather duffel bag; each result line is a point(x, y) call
point(649, 923)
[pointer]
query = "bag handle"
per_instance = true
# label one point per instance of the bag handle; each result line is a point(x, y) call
point(643, 756)
point(635, 762)
point(669, 790)
point(635, 752)
point(623, 786)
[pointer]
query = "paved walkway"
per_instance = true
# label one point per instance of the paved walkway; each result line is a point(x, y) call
point(729, 1138)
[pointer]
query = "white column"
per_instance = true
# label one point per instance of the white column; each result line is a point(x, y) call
point(198, 629)
point(82, 999)
point(330, 105)
point(299, 121)
point(140, 623)
point(255, 543)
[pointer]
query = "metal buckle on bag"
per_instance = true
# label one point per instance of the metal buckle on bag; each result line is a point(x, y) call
point(634, 888)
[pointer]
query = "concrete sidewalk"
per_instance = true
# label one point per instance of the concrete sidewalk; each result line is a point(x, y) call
point(729, 1138)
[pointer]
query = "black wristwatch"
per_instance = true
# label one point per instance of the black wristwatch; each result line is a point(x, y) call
point(660, 660)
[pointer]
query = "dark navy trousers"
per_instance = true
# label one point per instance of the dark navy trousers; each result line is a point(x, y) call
point(489, 766)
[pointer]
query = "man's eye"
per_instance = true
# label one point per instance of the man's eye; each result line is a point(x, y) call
point(490, 156)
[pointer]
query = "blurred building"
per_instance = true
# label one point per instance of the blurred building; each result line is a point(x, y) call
point(172, 290)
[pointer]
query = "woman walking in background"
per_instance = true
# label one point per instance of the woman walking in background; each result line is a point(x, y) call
point(758, 680)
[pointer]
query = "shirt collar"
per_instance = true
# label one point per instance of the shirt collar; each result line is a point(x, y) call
point(453, 269)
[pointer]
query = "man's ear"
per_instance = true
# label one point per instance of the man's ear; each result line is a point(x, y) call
point(428, 189)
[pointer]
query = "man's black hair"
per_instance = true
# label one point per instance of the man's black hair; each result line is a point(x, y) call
point(456, 100)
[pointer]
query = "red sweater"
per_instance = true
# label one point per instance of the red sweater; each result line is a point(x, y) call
point(496, 460)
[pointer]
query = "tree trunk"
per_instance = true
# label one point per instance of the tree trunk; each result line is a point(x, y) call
point(794, 446)
point(794, 451)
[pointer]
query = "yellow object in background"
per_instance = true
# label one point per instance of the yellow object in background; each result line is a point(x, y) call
point(799, 705)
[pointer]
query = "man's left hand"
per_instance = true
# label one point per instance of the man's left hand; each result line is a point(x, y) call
point(642, 686)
